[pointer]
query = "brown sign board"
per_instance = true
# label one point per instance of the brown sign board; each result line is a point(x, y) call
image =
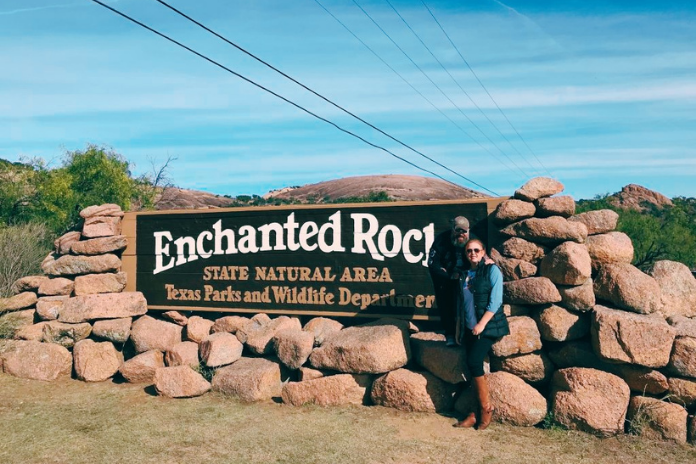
point(333, 260)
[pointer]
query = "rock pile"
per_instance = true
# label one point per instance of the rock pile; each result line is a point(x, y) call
point(595, 343)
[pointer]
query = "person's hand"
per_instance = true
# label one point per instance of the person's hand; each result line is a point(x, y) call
point(478, 328)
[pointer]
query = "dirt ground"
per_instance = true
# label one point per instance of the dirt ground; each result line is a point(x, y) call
point(74, 422)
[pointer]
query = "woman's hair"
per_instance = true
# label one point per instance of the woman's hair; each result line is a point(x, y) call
point(472, 240)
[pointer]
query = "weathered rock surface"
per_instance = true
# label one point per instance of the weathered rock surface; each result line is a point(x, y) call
point(142, 368)
point(683, 358)
point(590, 400)
point(180, 382)
point(63, 243)
point(19, 301)
point(37, 361)
point(220, 349)
point(538, 187)
point(57, 286)
point(446, 362)
point(682, 391)
point(609, 248)
point(641, 379)
point(48, 307)
point(598, 222)
point(413, 391)
point(107, 209)
point(547, 231)
point(96, 362)
point(534, 368)
point(525, 250)
point(557, 324)
point(620, 336)
point(532, 290)
point(114, 330)
point(373, 348)
point(657, 420)
point(148, 333)
point(514, 401)
point(321, 328)
point(334, 390)
point(176, 317)
point(100, 246)
point(66, 335)
point(567, 264)
point(678, 287)
point(249, 379)
point(309, 373)
point(183, 354)
point(512, 268)
point(229, 324)
point(258, 334)
point(684, 326)
point(293, 347)
point(103, 306)
point(633, 196)
point(101, 226)
point(509, 211)
point(628, 288)
point(69, 265)
point(30, 332)
point(198, 328)
point(28, 284)
point(524, 338)
point(555, 206)
point(100, 283)
point(579, 297)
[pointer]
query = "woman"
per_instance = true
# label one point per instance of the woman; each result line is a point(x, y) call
point(485, 322)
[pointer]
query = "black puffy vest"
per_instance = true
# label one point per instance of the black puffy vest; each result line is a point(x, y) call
point(481, 288)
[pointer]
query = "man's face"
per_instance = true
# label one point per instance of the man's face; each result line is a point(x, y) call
point(460, 236)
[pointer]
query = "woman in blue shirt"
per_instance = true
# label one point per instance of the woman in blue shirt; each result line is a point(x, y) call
point(482, 303)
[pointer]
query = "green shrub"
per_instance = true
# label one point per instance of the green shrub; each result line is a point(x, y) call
point(22, 249)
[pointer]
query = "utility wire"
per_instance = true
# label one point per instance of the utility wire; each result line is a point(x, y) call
point(411, 85)
point(275, 94)
point(248, 53)
point(484, 88)
point(456, 81)
point(438, 87)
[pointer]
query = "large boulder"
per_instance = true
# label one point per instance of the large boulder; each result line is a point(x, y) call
point(684, 326)
point(220, 349)
point(682, 391)
point(524, 338)
point(63, 243)
point(509, 211)
point(609, 248)
point(555, 206)
point(538, 187)
point(176, 317)
point(48, 307)
point(578, 297)
point(107, 209)
point(100, 246)
point(641, 379)
point(557, 324)
point(64, 334)
point(413, 391)
point(657, 420)
point(258, 334)
point(114, 330)
point(628, 288)
point(547, 231)
point(70, 265)
point(590, 400)
point(96, 361)
point(28, 332)
point(525, 250)
point(101, 226)
point(535, 368)
point(514, 401)
point(567, 264)
point(321, 328)
point(180, 382)
point(142, 368)
point(37, 361)
point(249, 379)
point(512, 268)
point(100, 283)
point(17, 302)
point(198, 328)
point(102, 306)
point(28, 284)
point(373, 348)
point(56, 286)
point(598, 222)
point(229, 324)
point(682, 361)
point(333, 390)
point(183, 354)
point(620, 336)
point(148, 333)
point(293, 347)
point(446, 362)
point(678, 287)
point(532, 290)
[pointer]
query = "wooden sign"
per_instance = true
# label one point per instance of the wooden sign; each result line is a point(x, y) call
point(333, 260)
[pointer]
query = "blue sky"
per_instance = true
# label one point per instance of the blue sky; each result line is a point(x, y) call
point(602, 92)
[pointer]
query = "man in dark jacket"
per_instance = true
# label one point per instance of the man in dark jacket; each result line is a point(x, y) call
point(446, 262)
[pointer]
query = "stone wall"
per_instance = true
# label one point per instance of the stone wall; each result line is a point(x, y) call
point(594, 341)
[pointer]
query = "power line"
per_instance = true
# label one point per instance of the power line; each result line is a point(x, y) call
point(411, 85)
point(275, 94)
point(485, 89)
point(248, 53)
point(438, 87)
point(456, 81)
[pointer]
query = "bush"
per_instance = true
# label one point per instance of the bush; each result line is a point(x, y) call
point(22, 249)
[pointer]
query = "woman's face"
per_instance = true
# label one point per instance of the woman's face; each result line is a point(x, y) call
point(474, 252)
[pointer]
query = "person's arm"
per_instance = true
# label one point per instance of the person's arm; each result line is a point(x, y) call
point(435, 263)
point(495, 301)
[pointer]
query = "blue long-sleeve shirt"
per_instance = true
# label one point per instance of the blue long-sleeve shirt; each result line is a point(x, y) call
point(495, 277)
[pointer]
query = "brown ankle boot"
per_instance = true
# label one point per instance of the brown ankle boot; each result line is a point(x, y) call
point(484, 401)
point(468, 422)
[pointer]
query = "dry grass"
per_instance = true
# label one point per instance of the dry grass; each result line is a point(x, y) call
point(74, 422)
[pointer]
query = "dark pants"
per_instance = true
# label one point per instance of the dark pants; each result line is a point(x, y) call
point(446, 292)
point(477, 347)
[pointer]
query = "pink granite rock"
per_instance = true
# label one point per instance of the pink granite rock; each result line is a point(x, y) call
point(220, 349)
point(609, 248)
point(321, 328)
point(513, 269)
point(48, 307)
point(30, 332)
point(100, 283)
point(249, 379)
point(183, 354)
point(445, 362)
point(65, 334)
point(198, 328)
point(258, 334)
point(413, 391)
point(103, 306)
point(509, 211)
point(682, 391)
point(524, 338)
point(107, 209)
point(538, 187)
point(520, 248)
point(628, 288)
point(293, 347)
point(567, 264)
point(598, 222)
point(96, 362)
point(70, 265)
point(148, 334)
point(101, 226)
point(180, 382)
point(678, 288)
point(578, 297)
point(20, 301)
point(37, 361)
point(682, 361)
point(557, 324)
point(100, 246)
point(141, 368)
point(175, 317)
point(28, 284)
point(534, 368)
point(532, 290)
point(641, 379)
point(547, 231)
point(555, 206)
point(229, 324)
point(334, 390)
point(114, 330)
point(63, 243)
point(657, 420)
point(56, 286)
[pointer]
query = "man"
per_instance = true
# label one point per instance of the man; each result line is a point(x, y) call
point(446, 262)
